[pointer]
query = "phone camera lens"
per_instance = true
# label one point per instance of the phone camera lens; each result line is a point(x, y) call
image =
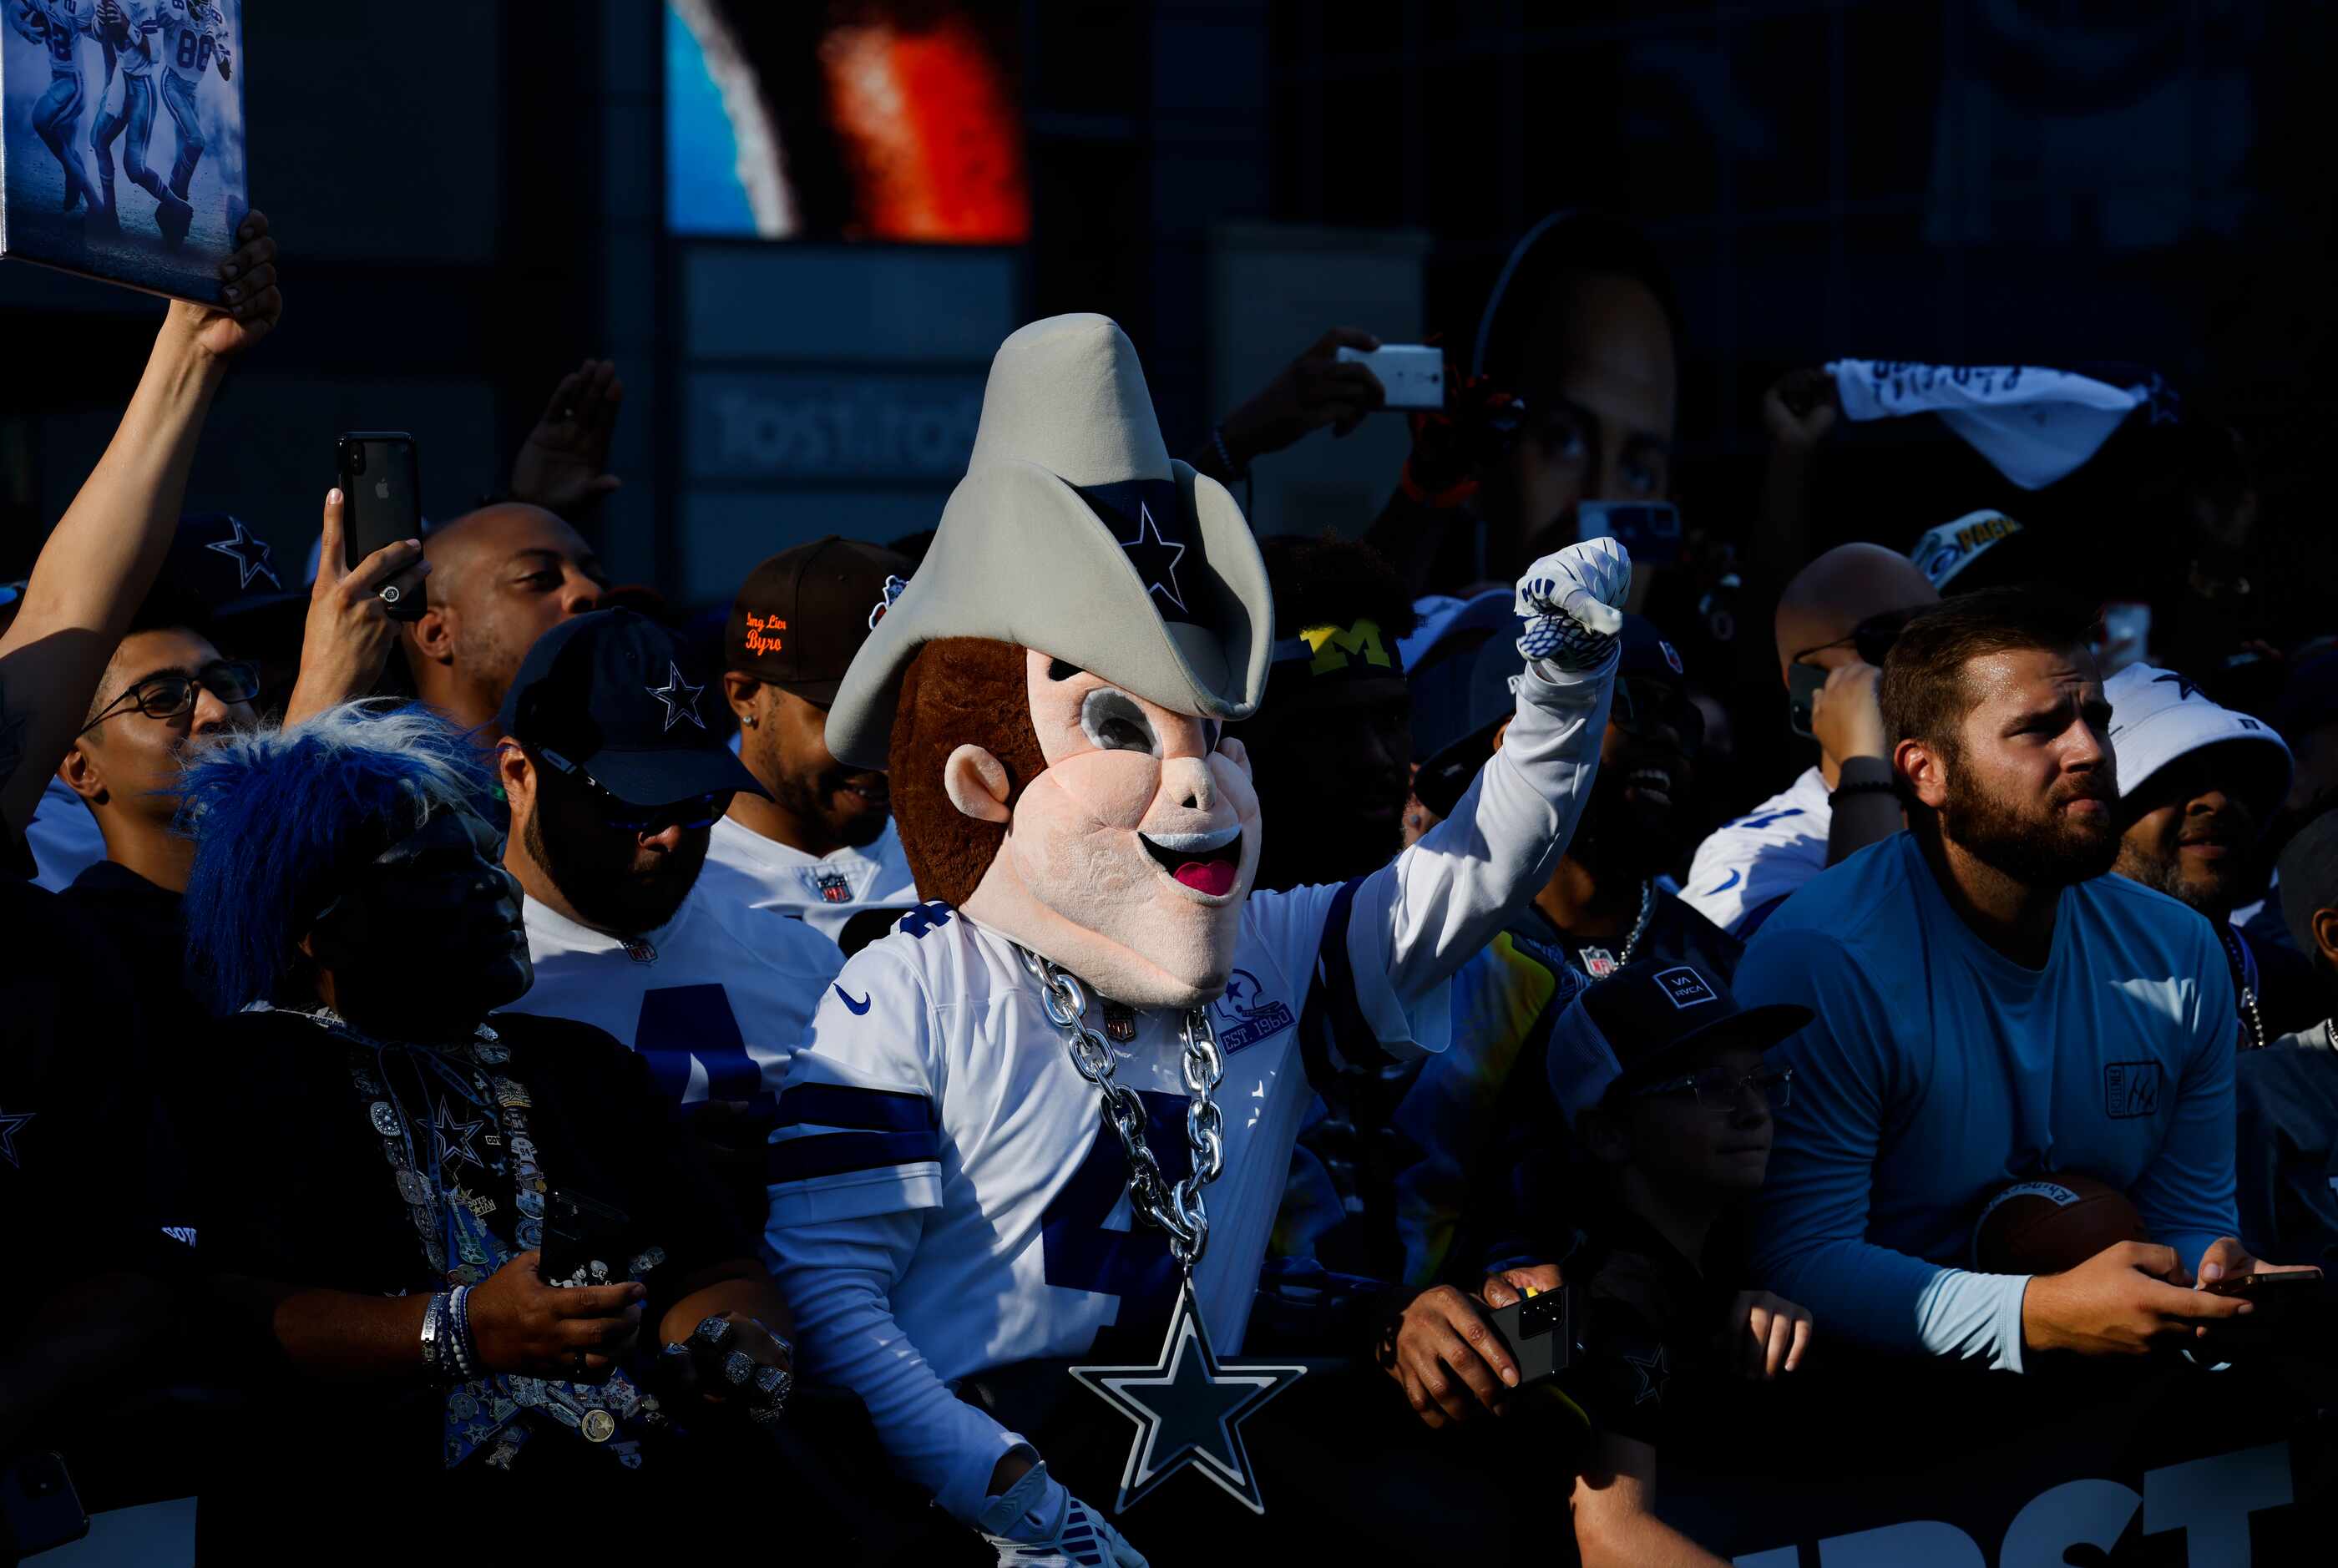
point(356, 450)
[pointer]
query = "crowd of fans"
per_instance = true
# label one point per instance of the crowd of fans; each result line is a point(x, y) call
point(395, 1089)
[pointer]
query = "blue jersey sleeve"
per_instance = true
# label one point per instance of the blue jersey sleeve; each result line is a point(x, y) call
point(1810, 1241)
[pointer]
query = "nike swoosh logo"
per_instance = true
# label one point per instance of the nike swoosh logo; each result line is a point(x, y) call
point(855, 1008)
point(1735, 877)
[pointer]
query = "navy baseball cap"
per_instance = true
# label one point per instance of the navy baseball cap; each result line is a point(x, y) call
point(1645, 657)
point(1646, 1018)
point(620, 697)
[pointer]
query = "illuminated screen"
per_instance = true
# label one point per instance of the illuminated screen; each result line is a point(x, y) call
point(835, 119)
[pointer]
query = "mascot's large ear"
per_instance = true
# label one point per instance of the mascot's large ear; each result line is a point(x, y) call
point(1235, 752)
point(977, 784)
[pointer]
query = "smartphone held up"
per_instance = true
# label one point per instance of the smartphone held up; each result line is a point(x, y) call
point(379, 476)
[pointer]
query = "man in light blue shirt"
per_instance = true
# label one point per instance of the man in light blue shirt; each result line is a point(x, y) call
point(1991, 1006)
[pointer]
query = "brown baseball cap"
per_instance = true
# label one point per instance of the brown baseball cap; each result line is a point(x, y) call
point(801, 615)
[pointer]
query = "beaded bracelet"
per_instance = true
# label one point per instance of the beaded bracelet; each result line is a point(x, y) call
point(1862, 787)
point(1226, 454)
point(466, 1354)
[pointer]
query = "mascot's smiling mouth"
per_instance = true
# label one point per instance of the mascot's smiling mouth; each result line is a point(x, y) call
point(1209, 862)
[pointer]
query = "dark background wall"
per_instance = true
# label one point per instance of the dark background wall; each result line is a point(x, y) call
point(2036, 179)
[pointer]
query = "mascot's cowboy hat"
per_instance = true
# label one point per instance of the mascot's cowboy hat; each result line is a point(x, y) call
point(1074, 534)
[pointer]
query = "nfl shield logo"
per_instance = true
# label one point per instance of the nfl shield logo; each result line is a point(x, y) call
point(1598, 962)
point(832, 888)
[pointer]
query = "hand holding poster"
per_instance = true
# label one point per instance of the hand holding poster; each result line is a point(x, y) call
point(122, 139)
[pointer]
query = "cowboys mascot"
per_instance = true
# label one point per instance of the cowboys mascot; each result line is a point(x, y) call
point(1031, 1115)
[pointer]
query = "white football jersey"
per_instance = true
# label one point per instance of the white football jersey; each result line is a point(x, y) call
point(717, 1013)
point(823, 892)
point(188, 37)
point(144, 21)
point(1743, 868)
point(938, 1083)
point(946, 1198)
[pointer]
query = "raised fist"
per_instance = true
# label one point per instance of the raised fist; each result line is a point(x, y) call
point(1570, 601)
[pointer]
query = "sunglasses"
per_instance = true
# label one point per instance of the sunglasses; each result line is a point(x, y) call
point(172, 693)
point(620, 815)
point(1872, 639)
point(1641, 703)
point(1719, 1088)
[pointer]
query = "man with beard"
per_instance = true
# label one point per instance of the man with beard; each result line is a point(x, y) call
point(819, 846)
point(615, 781)
point(1331, 746)
point(1990, 1007)
point(500, 578)
point(387, 1249)
point(2197, 784)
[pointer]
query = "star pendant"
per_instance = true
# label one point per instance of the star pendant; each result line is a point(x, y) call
point(1188, 1409)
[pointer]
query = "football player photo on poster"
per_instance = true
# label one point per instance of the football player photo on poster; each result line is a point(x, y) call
point(121, 138)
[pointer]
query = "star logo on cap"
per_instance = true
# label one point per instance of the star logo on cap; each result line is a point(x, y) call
point(679, 697)
point(252, 556)
point(1155, 561)
point(9, 1127)
point(2185, 690)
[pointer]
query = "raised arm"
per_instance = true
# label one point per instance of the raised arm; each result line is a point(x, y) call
point(104, 554)
point(1440, 902)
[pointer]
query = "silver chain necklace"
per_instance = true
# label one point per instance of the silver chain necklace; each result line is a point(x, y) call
point(2248, 995)
point(1639, 927)
point(1174, 1206)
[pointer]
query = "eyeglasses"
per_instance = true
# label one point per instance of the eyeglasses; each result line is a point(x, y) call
point(1641, 703)
point(172, 693)
point(1872, 639)
point(1719, 1088)
point(624, 815)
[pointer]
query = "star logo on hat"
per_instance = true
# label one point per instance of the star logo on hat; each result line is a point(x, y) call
point(679, 697)
point(2185, 690)
point(1155, 563)
point(252, 556)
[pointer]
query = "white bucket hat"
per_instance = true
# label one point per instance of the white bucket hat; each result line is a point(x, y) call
point(2158, 716)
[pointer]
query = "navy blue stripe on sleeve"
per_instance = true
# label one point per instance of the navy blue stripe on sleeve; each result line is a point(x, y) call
point(867, 1110)
point(1334, 1020)
point(840, 1153)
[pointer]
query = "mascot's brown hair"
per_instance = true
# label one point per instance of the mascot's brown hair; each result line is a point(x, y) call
point(957, 691)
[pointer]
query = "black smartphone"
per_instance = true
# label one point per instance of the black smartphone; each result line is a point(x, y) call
point(39, 1508)
point(381, 503)
point(2258, 1287)
point(1539, 1331)
point(578, 1232)
point(1803, 683)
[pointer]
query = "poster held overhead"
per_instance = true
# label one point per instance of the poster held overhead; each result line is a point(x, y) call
point(122, 150)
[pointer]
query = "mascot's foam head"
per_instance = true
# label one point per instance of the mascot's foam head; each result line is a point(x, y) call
point(1048, 695)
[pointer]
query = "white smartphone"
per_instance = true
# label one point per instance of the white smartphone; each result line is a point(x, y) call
point(1411, 374)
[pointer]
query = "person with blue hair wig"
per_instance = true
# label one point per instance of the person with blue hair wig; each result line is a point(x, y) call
point(376, 1176)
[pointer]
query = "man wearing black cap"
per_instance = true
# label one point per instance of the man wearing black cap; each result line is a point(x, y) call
point(818, 845)
point(1330, 746)
point(1659, 1075)
point(616, 780)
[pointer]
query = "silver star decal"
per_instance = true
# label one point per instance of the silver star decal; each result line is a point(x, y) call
point(1156, 563)
point(454, 1137)
point(679, 697)
point(1188, 1409)
point(1654, 1375)
point(252, 556)
point(8, 1129)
